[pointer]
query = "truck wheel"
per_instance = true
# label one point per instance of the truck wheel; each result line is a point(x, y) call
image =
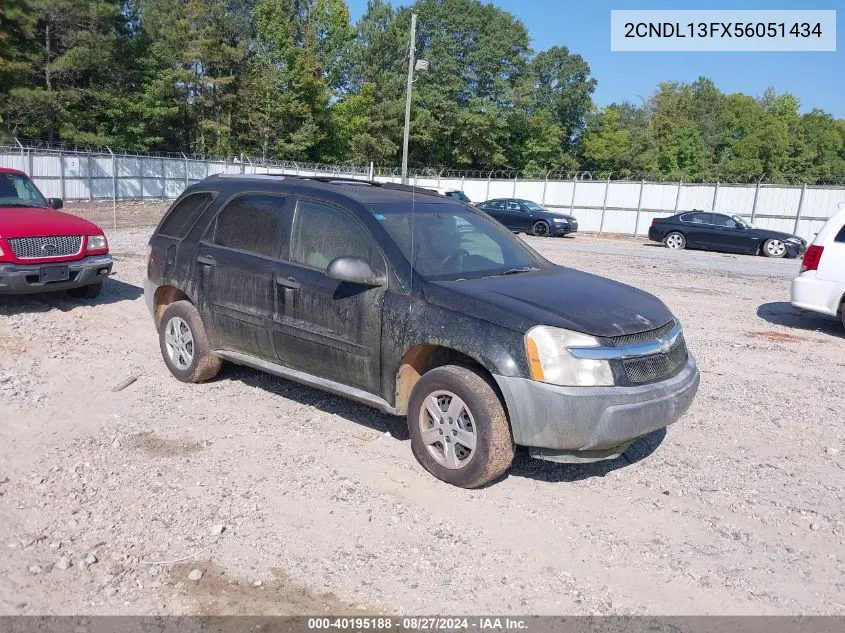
point(676, 241)
point(458, 427)
point(774, 248)
point(541, 229)
point(184, 344)
point(91, 291)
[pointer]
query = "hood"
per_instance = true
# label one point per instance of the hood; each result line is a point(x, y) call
point(556, 214)
point(556, 296)
point(767, 234)
point(32, 222)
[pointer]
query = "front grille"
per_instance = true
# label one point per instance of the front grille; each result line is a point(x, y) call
point(639, 337)
point(38, 247)
point(658, 366)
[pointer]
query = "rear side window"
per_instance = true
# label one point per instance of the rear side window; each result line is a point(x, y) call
point(840, 237)
point(697, 218)
point(184, 215)
point(496, 204)
point(251, 223)
point(321, 233)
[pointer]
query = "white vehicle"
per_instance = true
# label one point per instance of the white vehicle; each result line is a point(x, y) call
point(820, 287)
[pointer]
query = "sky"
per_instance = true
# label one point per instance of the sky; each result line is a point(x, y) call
point(816, 78)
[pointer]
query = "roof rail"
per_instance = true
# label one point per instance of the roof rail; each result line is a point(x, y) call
point(336, 179)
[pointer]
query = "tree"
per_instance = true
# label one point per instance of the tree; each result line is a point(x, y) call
point(563, 87)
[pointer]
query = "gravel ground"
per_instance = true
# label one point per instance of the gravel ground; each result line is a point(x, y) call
point(251, 494)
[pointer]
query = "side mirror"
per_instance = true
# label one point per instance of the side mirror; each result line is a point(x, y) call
point(56, 203)
point(354, 270)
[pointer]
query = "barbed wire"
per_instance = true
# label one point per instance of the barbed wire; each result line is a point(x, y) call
point(35, 147)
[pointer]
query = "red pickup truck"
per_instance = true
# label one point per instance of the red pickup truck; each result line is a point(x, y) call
point(43, 249)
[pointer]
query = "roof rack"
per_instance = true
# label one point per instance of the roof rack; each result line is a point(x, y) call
point(336, 179)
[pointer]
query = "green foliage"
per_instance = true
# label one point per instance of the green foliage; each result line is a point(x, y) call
point(295, 79)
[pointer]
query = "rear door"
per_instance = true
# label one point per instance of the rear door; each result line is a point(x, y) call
point(236, 264)
point(832, 264)
point(329, 328)
point(496, 209)
point(698, 228)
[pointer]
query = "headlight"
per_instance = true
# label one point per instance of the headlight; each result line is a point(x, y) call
point(97, 243)
point(550, 360)
point(560, 220)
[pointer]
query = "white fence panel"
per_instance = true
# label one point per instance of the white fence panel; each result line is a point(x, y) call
point(559, 193)
point(822, 202)
point(476, 190)
point(778, 200)
point(696, 197)
point(735, 199)
point(599, 206)
point(659, 197)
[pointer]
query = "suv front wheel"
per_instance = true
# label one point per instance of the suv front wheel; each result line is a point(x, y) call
point(458, 427)
point(184, 344)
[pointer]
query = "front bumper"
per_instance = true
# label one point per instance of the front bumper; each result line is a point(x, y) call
point(564, 229)
point(594, 419)
point(24, 279)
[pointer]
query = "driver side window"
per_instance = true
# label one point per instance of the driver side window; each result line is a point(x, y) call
point(322, 233)
point(723, 220)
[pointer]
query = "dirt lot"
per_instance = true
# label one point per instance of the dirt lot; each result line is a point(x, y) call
point(288, 500)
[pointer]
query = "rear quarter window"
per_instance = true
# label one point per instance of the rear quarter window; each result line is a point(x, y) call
point(184, 215)
point(252, 223)
point(840, 237)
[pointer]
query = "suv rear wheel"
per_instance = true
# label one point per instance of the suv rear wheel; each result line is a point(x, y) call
point(184, 344)
point(458, 427)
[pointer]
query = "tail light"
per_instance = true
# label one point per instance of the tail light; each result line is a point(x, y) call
point(812, 258)
point(654, 221)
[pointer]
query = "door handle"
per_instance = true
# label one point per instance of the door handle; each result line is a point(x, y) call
point(287, 282)
point(206, 260)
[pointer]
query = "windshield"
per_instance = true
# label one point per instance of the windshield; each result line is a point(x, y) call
point(16, 190)
point(454, 242)
point(532, 206)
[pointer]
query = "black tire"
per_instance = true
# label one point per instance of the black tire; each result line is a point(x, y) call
point(91, 291)
point(203, 365)
point(842, 312)
point(677, 242)
point(493, 452)
point(540, 229)
point(774, 248)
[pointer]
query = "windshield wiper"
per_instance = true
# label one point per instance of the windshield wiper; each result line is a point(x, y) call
point(20, 204)
point(516, 271)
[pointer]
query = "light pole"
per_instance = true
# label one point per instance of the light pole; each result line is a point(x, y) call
point(419, 65)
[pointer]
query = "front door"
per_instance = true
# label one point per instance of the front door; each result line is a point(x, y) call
point(236, 261)
point(329, 328)
point(519, 217)
point(730, 236)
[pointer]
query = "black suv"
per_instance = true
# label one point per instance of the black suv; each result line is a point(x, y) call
point(419, 305)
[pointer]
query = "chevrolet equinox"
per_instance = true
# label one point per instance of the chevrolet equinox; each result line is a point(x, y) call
point(421, 306)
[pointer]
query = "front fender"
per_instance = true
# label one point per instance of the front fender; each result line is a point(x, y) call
point(408, 323)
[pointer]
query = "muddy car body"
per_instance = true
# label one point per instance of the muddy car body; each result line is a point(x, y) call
point(419, 305)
